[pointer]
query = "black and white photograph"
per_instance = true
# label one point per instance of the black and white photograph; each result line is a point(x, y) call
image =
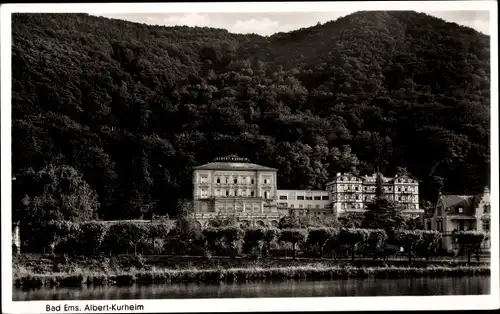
point(216, 152)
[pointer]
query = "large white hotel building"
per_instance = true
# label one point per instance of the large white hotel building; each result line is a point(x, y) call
point(235, 187)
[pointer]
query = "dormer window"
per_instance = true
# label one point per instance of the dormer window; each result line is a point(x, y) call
point(460, 210)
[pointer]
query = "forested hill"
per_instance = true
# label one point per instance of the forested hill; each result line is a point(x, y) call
point(132, 108)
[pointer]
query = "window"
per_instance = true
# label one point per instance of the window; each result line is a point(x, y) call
point(227, 180)
point(325, 197)
point(265, 181)
point(460, 210)
point(218, 180)
point(227, 193)
point(300, 205)
point(317, 206)
point(309, 206)
point(265, 195)
point(486, 209)
point(235, 180)
point(283, 197)
point(317, 198)
point(300, 198)
point(486, 225)
point(309, 198)
point(252, 194)
point(217, 192)
point(356, 188)
point(292, 206)
point(203, 179)
point(252, 181)
point(344, 178)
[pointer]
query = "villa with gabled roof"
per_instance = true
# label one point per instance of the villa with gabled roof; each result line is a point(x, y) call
point(460, 213)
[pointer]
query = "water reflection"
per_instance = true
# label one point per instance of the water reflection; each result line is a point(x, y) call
point(350, 287)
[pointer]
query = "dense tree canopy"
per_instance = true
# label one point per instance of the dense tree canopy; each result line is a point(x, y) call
point(134, 107)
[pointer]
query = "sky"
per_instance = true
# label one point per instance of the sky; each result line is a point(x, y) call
point(267, 24)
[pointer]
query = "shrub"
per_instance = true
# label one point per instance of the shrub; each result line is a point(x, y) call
point(92, 236)
point(375, 241)
point(351, 237)
point(69, 239)
point(428, 245)
point(269, 235)
point(294, 237)
point(332, 244)
point(213, 240)
point(161, 230)
point(253, 241)
point(233, 239)
point(317, 238)
point(124, 236)
point(470, 241)
point(408, 239)
point(186, 238)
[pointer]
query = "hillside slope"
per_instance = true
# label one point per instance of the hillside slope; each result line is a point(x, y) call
point(134, 107)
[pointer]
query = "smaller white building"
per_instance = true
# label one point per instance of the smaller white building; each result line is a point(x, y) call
point(306, 202)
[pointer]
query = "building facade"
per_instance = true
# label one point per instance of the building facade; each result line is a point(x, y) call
point(234, 187)
point(460, 213)
point(306, 202)
point(350, 193)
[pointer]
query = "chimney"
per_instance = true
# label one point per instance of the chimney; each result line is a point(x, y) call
point(339, 174)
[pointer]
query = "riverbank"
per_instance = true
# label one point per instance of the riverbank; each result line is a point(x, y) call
point(43, 264)
point(236, 275)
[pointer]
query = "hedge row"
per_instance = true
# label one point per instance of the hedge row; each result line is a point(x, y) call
point(90, 238)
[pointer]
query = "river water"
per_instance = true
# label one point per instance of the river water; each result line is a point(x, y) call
point(336, 288)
